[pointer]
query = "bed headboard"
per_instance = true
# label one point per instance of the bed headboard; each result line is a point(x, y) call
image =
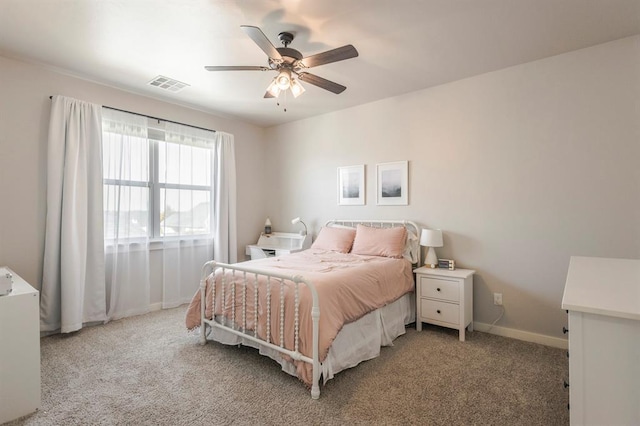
point(413, 232)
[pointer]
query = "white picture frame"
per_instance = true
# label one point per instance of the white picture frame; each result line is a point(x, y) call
point(392, 183)
point(351, 186)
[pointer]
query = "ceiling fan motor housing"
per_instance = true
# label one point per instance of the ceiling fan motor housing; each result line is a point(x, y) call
point(286, 38)
point(289, 55)
point(290, 58)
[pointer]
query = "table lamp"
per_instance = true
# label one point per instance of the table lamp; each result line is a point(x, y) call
point(297, 220)
point(431, 238)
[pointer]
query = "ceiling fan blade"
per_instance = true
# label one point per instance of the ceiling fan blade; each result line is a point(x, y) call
point(262, 41)
point(268, 95)
point(335, 55)
point(236, 68)
point(321, 82)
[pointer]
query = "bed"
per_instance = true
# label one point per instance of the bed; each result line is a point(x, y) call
point(319, 311)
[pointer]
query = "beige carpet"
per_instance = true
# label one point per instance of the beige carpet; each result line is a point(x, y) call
point(147, 370)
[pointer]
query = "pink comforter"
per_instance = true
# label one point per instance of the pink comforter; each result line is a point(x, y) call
point(349, 286)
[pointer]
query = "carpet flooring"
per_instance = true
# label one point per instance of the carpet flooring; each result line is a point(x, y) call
point(148, 370)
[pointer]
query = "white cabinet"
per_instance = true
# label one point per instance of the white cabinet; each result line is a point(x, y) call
point(445, 298)
point(602, 297)
point(19, 351)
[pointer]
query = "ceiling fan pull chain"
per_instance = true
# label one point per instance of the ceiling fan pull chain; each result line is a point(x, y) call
point(284, 101)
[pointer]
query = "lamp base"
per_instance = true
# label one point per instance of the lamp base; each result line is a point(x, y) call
point(431, 259)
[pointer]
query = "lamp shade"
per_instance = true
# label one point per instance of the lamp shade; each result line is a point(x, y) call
point(295, 220)
point(296, 88)
point(273, 89)
point(431, 238)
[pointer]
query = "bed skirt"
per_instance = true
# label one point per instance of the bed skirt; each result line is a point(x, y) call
point(358, 341)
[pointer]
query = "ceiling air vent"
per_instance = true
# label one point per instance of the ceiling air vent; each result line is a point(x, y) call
point(167, 83)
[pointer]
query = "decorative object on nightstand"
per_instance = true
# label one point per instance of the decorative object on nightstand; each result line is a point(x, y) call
point(267, 226)
point(445, 298)
point(431, 238)
point(297, 220)
point(449, 264)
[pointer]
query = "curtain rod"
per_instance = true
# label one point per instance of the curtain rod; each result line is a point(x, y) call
point(153, 118)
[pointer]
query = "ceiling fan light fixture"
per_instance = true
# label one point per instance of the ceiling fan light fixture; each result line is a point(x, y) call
point(273, 88)
point(296, 88)
point(283, 80)
point(287, 61)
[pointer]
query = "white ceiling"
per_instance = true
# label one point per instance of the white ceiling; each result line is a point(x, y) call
point(404, 45)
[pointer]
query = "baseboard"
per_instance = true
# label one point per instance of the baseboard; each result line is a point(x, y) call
point(542, 339)
point(155, 307)
point(159, 306)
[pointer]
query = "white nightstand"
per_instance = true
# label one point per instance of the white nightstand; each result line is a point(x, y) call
point(444, 298)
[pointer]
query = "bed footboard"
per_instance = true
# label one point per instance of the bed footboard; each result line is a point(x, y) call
point(234, 319)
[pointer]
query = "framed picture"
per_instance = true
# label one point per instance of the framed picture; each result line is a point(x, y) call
point(393, 183)
point(351, 186)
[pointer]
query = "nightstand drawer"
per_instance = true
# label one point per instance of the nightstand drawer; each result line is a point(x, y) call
point(442, 289)
point(439, 311)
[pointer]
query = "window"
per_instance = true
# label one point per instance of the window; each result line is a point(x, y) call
point(157, 178)
point(183, 188)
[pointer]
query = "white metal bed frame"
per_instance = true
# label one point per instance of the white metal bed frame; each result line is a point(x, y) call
point(239, 328)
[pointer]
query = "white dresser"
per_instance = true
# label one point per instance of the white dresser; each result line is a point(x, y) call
point(19, 351)
point(602, 297)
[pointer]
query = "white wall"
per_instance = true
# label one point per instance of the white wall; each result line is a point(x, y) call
point(521, 168)
point(24, 119)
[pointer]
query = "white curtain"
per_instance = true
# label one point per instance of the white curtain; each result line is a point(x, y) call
point(185, 173)
point(73, 290)
point(224, 188)
point(127, 217)
point(129, 203)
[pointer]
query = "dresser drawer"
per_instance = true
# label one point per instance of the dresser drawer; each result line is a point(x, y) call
point(439, 311)
point(438, 288)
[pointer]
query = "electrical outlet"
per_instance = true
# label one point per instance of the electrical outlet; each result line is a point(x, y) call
point(497, 299)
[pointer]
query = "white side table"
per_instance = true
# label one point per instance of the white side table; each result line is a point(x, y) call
point(444, 298)
point(19, 350)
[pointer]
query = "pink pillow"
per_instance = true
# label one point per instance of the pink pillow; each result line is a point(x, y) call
point(388, 242)
point(335, 239)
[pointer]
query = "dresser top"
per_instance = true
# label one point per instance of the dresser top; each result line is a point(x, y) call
point(603, 286)
point(20, 286)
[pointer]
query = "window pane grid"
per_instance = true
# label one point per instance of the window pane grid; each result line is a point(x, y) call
point(175, 186)
point(155, 189)
point(145, 184)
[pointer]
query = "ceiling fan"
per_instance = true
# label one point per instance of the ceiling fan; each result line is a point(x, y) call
point(289, 62)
